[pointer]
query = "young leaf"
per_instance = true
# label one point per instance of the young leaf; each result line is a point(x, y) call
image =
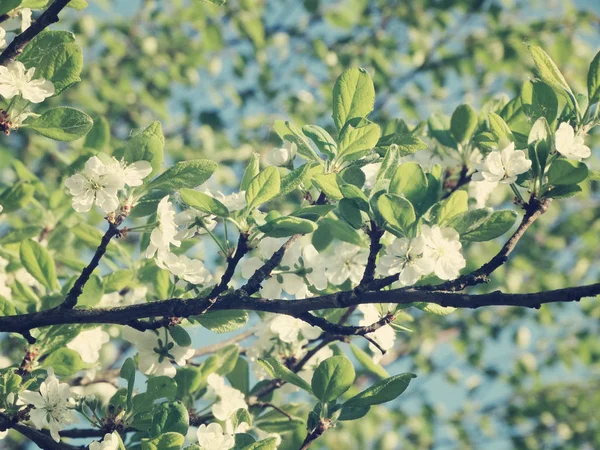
point(357, 136)
point(397, 211)
point(389, 164)
point(563, 172)
point(497, 224)
point(203, 202)
point(328, 184)
point(287, 131)
point(593, 81)
point(322, 139)
point(278, 370)
point(184, 174)
point(180, 336)
point(56, 57)
point(147, 146)
point(353, 96)
point(167, 441)
point(539, 100)
point(463, 123)
point(407, 143)
point(410, 181)
point(456, 204)
point(295, 179)
point(332, 378)
point(288, 226)
point(62, 124)
point(383, 391)
point(251, 171)
point(549, 73)
point(128, 373)
point(223, 321)
point(38, 262)
point(169, 417)
point(263, 187)
point(65, 362)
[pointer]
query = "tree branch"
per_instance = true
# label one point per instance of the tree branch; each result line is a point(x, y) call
point(176, 307)
point(71, 298)
point(253, 284)
point(232, 262)
point(17, 45)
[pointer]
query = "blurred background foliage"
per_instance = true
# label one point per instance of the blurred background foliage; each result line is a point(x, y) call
point(217, 77)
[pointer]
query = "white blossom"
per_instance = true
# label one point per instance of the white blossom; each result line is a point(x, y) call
point(2, 37)
point(404, 256)
point(88, 344)
point(212, 437)
point(280, 156)
point(230, 399)
point(190, 270)
point(187, 220)
point(315, 266)
point(569, 144)
point(385, 336)
point(157, 351)
point(130, 296)
point(233, 202)
point(481, 191)
point(52, 405)
point(94, 185)
point(288, 329)
point(347, 261)
point(110, 442)
point(503, 166)
point(370, 171)
point(132, 174)
point(164, 235)
point(442, 252)
point(16, 80)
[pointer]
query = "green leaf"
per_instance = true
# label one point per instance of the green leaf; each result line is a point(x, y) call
point(263, 187)
point(9, 5)
point(563, 172)
point(92, 292)
point(549, 73)
point(278, 370)
point(456, 204)
point(167, 441)
point(313, 212)
point(499, 128)
point(128, 374)
point(396, 211)
point(322, 139)
point(434, 308)
point(295, 179)
point(62, 124)
point(539, 100)
point(78, 4)
point(353, 412)
point(564, 191)
point(593, 81)
point(410, 181)
point(463, 123)
point(146, 146)
point(330, 228)
point(469, 220)
point(203, 202)
point(19, 234)
point(239, 378)
point(357, 136)
point(350, 212)
point(332, 378)
point(169, 417)
point(223, 321)
point(390, 163)
point(285, 226)
point(38, 262)
point(353, 96)
point(65, 362)
point(407, 143)
point(328, 184)
point(160, 387)
point(56, 57)
point(497, 224)
point(439, 128)
point(367, 362)
point(351, 192)
point(383, 391)
point(6, 308)
point(228, 357)
point(98, 137)
point(184, 174)
point(264, 444)
point(17, 196)
point(287, 131)
point(251, 171)
point(180, 336)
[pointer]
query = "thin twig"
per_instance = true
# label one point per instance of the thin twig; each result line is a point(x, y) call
point(17, 45)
